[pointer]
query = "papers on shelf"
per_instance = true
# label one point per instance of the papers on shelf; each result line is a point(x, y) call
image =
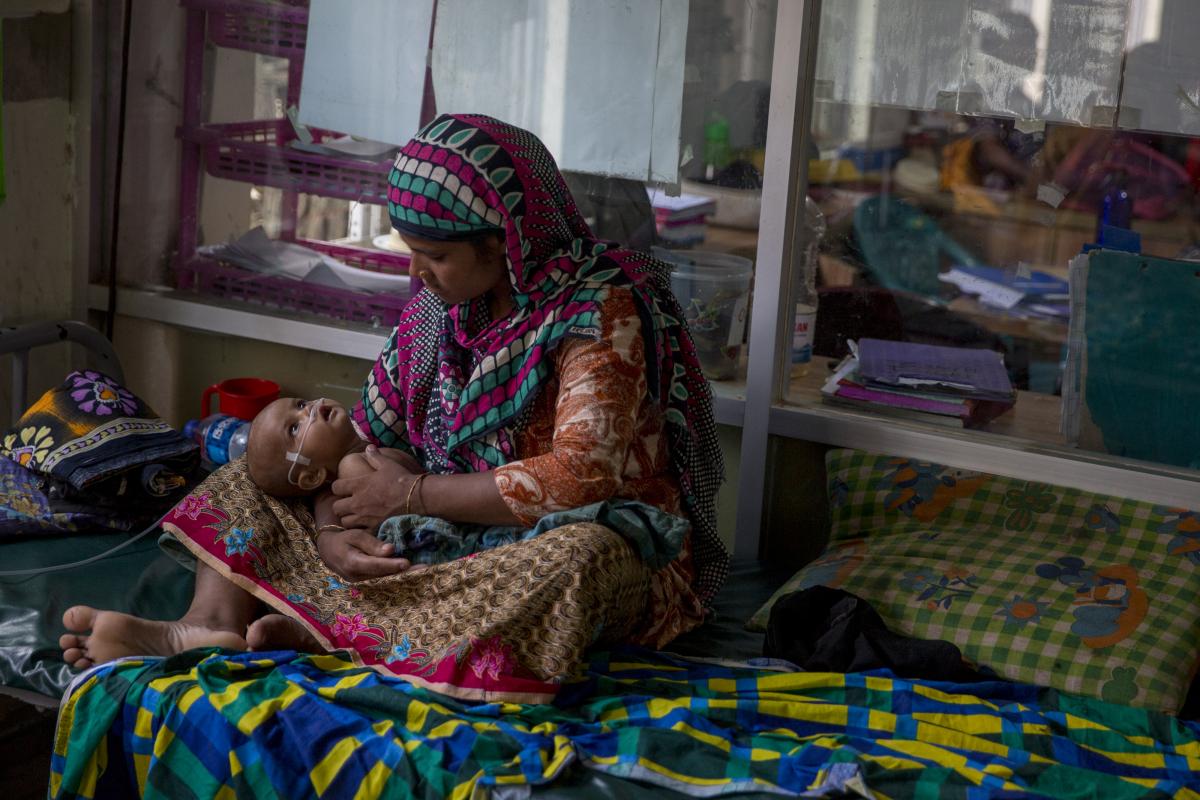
point(257, 252)
point(685, 206)
point(348, 146)
point(1023, 292)
point(681, 221)
point(966, 371)
point(990, 294)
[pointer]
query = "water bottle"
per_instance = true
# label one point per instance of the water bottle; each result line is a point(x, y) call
point(221, 437)
point(1116, 208)
point(805, 321)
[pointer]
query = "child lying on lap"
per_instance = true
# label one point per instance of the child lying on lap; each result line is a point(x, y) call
point(297, 448)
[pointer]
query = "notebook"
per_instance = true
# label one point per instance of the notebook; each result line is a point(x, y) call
point(846, 388)
point(964, 371)
point(683, 207)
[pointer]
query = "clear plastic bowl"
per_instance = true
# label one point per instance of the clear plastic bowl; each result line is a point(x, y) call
point(714, 291)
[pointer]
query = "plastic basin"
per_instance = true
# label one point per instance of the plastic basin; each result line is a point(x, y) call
point(714, 291)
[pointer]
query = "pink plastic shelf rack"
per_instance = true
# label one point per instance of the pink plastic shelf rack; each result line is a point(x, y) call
point(274, 28)
point(217, 279)
point(258, 152)
point(261, 153)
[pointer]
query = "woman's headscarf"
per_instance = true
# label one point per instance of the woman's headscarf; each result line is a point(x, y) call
point(456, 385)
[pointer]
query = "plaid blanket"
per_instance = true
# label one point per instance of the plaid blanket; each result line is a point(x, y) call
point(284, 725)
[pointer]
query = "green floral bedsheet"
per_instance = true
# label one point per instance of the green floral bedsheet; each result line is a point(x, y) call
point(1053, 586)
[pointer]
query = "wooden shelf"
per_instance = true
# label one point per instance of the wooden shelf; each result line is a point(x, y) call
point(1024, 443)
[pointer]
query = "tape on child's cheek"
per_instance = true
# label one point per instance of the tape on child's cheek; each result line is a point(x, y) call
point(297, 457)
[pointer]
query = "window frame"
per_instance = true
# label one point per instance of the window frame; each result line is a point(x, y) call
point(759, 406)
point(766, 412)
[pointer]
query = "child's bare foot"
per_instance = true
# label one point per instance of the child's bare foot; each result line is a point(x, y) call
point(114, 635)
point(277, 632)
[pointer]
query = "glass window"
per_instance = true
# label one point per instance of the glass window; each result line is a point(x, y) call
point(252, 168)
point(710, 232)
point(1009, 176)
point(275, 213)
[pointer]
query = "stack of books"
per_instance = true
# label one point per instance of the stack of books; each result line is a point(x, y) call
point(954, 386)
point(681, 221)
point(1035, 294)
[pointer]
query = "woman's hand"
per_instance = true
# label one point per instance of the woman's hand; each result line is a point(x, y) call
point(356, 555)
point(367, 500)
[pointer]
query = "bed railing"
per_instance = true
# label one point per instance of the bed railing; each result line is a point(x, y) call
point(23, 338)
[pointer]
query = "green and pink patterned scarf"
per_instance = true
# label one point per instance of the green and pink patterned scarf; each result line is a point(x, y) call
point(453, 385)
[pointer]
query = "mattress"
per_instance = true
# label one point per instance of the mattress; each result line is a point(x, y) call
point(140, 579)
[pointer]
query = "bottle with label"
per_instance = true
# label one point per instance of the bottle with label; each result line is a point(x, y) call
point(805, 322)
point(221, 437)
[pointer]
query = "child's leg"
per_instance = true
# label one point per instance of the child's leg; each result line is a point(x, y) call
point(218, 616)
point(279, 632)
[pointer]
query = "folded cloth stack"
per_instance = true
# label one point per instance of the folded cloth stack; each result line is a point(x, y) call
point(90, 453)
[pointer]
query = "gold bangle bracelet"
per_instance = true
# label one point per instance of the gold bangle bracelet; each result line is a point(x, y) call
point(330, 528)
point(412, 487)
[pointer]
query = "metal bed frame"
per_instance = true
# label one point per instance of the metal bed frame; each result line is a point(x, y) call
point(21, 339)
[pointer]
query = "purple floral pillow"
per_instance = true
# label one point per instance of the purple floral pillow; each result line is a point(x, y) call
point(95, 393)
point(90, 430)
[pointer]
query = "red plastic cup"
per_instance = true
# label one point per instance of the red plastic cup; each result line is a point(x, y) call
point(240, 397)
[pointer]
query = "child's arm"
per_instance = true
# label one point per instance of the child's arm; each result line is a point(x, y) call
point(323, 509)
point(353, 554)
point(352, 465)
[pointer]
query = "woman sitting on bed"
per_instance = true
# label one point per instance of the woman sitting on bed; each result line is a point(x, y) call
point(540, 370)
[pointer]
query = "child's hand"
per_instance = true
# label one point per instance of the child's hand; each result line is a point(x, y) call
point(357, 555)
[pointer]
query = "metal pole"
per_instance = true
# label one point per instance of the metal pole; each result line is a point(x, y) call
point(20, 340)
point(785, 181)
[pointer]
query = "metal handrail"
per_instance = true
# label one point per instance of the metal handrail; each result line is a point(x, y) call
point(21, 339)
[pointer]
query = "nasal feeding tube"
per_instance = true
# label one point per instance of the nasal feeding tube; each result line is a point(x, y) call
point(296, 456)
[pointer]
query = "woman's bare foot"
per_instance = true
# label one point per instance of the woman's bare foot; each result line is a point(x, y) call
point(113, 635)
point(277, 632)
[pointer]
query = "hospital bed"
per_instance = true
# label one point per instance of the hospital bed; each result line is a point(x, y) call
point(709, 718)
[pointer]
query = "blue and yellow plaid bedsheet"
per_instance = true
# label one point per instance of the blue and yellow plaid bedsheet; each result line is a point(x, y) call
point(281, 725)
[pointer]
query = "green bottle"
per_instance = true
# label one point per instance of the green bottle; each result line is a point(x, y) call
point(716, 146)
